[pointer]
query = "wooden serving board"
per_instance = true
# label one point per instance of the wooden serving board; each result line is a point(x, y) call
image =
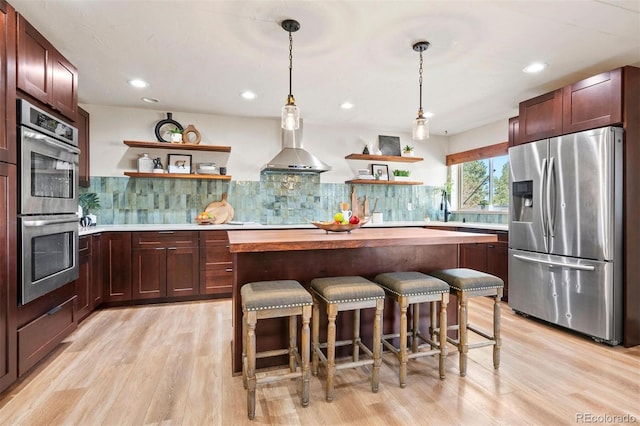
point(222, 210)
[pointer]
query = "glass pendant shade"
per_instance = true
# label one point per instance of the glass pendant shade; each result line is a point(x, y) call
point(420, 129)
point(290, 117)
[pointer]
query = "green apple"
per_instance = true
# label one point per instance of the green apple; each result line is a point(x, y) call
point(338, 217)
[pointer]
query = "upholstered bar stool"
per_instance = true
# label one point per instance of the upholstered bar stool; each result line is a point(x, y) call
point(466, 284)
point(346, 294)
point(274, 299)
point(410, 289)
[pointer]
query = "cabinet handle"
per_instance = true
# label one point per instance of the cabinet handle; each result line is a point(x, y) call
point(165, 232)
point(490, 246)
point(229, 270)
point(54, 310)
point(158, 248)
point(171, 248)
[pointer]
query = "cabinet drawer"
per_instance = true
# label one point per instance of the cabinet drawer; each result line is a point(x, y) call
point(217, 280)
point(207, 237)
point(164, 239)
point(215, 255)
point(84, 245)
point(37, 338)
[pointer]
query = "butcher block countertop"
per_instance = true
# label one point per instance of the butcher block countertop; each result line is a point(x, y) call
point(252, 241)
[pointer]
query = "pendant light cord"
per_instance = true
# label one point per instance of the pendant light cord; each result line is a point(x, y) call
point(291, 63)
point(420, 81)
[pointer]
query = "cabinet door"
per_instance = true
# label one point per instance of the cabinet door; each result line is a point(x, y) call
point(8, 278)
point(96, 271)
point(593, 102)
point(7, 84)
point(83, 283)
point(64, 87)
point(116, 266)
point(34, 62)
point(84, 169)
point(514, 131)
point(149, 273)
point(182, 271)
point(540, 117)
point(474, 256)
point(498, 264)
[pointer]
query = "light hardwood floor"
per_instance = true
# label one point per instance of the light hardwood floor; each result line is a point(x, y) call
point(171, 364)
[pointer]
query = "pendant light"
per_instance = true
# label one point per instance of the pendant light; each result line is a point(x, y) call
point(421, 124)
point(290, 112)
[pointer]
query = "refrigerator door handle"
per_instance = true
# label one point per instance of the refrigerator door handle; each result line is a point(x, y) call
point(552, 263)
point(543, 199)
point(551, 215)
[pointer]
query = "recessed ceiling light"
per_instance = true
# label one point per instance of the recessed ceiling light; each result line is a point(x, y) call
point(139, 83)
point(346, 105)
point(248, 94)
point(534, 67)
point(150, 100)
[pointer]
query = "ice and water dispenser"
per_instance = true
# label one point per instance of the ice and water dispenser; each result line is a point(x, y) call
point(522, 206)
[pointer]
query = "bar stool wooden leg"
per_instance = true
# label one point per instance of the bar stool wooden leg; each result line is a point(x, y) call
point(463, 347)
point(306, 318)
point(415, 340)
point(443, 334)
point(293, 333)
point(244, 350)
point(356, 335)
point(402, 354)
point(251, 363)
point(377, 345)
point(433, 316)
point(315, 338)
point(332, 313)
point(496, 330)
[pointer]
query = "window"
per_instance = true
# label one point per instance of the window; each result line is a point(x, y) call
point(480, 179)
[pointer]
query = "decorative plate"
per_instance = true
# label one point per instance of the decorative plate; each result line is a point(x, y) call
point(336, 227)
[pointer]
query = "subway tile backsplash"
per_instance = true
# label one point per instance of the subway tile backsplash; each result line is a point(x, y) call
point(277, 199)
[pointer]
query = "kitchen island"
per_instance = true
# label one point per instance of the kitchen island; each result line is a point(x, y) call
point(305, 254)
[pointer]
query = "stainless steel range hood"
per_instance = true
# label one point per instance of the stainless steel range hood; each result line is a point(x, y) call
point(293, 158)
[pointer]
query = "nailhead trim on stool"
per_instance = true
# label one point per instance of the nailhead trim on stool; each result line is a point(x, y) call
point(409, 289)
point(273, 299)
point(346, 294)
point(465, 284)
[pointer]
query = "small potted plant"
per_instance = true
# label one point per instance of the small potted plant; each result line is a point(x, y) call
point(89, 201)
point(176, 135)
point(401, 175)
point(407, 151)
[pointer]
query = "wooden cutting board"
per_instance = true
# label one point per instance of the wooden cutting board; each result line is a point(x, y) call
point(222, 210)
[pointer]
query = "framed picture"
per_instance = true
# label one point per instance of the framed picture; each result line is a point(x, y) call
point(179, 163)
point(380, 171)
point(389, 145)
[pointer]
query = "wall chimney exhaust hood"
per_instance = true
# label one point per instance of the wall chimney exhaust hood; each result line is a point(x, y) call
point(293, 158)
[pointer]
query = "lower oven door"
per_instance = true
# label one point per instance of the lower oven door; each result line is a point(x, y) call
point(49, 247)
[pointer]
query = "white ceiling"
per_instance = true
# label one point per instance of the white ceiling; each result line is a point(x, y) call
point(199, 55)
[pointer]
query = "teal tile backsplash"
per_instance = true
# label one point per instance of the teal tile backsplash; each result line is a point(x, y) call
point(277, 199)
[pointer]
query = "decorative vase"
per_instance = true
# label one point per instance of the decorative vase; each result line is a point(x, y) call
point(176, 137)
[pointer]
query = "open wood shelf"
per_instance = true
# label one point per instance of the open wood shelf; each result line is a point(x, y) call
point(382, 182)
point(176, 176)
point(395, 158)
point(180, 146)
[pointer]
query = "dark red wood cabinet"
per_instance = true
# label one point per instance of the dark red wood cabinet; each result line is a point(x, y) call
point(96, 271)
point(216, 264)
point(540, 117)
point(8, 276)
point(84, 168)
point(83, 283)
point(514, 130)
point(116, 266)
point(7, 84)
point(164, 264)
point(45, 74)
point(492, 258)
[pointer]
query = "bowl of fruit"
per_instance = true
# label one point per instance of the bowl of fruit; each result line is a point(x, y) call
point(205, 218)
point(340, 224)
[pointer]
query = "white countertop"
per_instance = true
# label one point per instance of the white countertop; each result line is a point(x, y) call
point(253, 225)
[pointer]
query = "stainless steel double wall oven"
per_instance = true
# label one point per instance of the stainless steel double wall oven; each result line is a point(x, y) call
point(48, 201)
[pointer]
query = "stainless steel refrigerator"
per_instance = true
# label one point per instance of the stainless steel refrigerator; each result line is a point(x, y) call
point(565, 232)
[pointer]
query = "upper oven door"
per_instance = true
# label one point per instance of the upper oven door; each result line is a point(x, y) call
point(49, 174)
